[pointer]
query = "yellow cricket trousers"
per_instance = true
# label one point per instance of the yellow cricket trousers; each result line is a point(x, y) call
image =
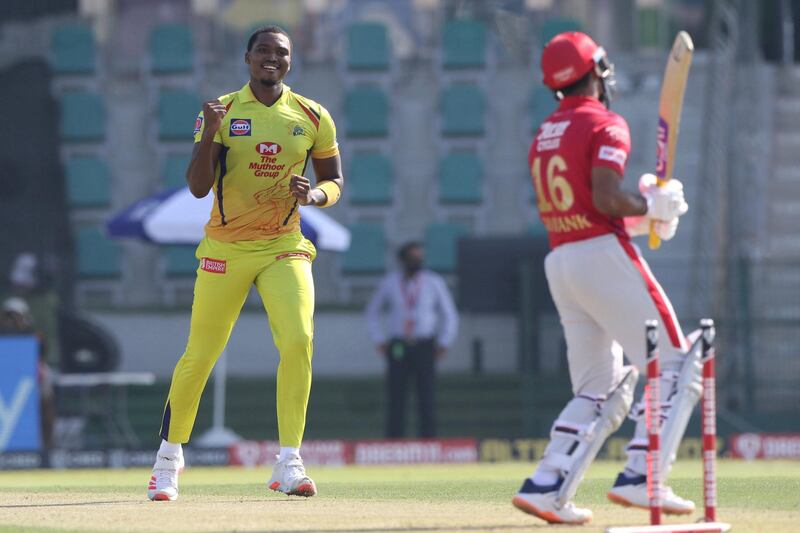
point(281, 271)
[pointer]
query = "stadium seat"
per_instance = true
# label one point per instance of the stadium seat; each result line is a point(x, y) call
point(367, 112)
point(88, 182)
point(462, 110)
point(171, 49)
point(441, 245)
point(542, 104)
point(175, 166)
point(179, 260)
point(554, 26)
point(460, 177)
point(650, 27)
point(72, 49)
point(367, 252)
point(370, 179)
point(367, 47)
point(97, 256)
point(177, 111)
point(83, 116)
point(464, 44)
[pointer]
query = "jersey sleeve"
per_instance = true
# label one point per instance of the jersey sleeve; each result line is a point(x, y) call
point(611, 144)
point(325, 144)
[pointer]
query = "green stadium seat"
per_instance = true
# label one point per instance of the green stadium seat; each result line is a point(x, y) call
point(177, 111)
point(367, 252)
point(72, 49)
point(88, 182)
point(554, 26)
point(367, 112)
point(464, 44)
point(542, 104)
point(370, 179)
point(460, 178)
point(83, 116)
point(650, 27)
point(97, 256)
point(441, 245)
point(462, 110)
point(171, 49)
point(179, 260)
point(367, 47)
point(175, 170)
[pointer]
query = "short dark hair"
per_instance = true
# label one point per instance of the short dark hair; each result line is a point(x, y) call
point(266, 29)
point(578, 86)
point(402, 252)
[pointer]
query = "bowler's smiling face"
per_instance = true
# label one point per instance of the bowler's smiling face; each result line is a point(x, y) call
point(270, 58)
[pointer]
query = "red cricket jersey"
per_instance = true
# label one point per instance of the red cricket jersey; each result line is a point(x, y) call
point(577, 136)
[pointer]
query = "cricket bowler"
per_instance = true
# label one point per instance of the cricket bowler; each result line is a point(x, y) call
point(251, 149)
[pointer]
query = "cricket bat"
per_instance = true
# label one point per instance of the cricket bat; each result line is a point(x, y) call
point(669, 113)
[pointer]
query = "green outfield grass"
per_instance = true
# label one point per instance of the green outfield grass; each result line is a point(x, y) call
point(754, 497)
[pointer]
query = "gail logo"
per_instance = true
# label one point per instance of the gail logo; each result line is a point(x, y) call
point(9, 414)
point(268, 148)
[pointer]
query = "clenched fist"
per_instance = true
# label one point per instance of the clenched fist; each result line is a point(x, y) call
point(300, 187)
point(213, 113)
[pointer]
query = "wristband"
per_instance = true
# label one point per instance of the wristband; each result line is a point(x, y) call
point(332, 192)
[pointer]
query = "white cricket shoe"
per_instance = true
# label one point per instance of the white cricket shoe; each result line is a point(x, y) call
point(163, 486)
point(542, 502)
point(289, 476)
point(632, 492)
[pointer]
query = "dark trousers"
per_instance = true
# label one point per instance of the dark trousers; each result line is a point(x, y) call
point(406, 361)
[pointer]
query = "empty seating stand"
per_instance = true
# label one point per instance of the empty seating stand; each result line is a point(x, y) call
point(179, 260)
point(96, 256)
point(543, 103)
point(553, 26)
point(171, 49)
point(462, 110)
point(367, 112)
point(463, 44)
point(177, 111)
point(441, 245)
point(367, 252)
point(460, 178)
point(174, 172)
point(83, 117)
point(88, 182)
point(367, 47)
point(72, 50)
point(370, 179)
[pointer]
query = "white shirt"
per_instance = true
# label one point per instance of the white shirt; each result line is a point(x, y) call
point(418, 308)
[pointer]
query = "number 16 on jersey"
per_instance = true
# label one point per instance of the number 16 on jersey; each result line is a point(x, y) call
point(669, 113)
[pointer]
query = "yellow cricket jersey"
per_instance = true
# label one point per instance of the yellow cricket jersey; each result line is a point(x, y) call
point(261, 148)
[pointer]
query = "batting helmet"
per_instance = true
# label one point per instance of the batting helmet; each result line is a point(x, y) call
point(568, 57)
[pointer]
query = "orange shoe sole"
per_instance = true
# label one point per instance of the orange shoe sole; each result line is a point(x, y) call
point(527, 507)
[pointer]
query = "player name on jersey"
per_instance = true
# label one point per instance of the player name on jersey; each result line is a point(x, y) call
point(563, 224)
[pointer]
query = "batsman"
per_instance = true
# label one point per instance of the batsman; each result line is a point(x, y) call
point(602, 287)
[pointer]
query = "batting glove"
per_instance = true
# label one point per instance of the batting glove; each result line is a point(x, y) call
point(663, 203)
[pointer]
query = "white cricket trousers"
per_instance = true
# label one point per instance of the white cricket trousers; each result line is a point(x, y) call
point(604, 292)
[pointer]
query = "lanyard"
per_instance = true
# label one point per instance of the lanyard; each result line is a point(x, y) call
point(410, 290)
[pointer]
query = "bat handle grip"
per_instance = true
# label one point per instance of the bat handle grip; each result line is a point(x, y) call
point(653, 240)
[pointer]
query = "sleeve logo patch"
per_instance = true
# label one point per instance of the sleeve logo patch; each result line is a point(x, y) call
point(240, 127)
point(215, 266)
point(613, 154)
point(198, 125)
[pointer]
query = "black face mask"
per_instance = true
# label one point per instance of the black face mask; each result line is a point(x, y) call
point(412, 267)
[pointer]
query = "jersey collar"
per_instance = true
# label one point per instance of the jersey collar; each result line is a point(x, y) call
point(571, 102)
point(246, 94)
